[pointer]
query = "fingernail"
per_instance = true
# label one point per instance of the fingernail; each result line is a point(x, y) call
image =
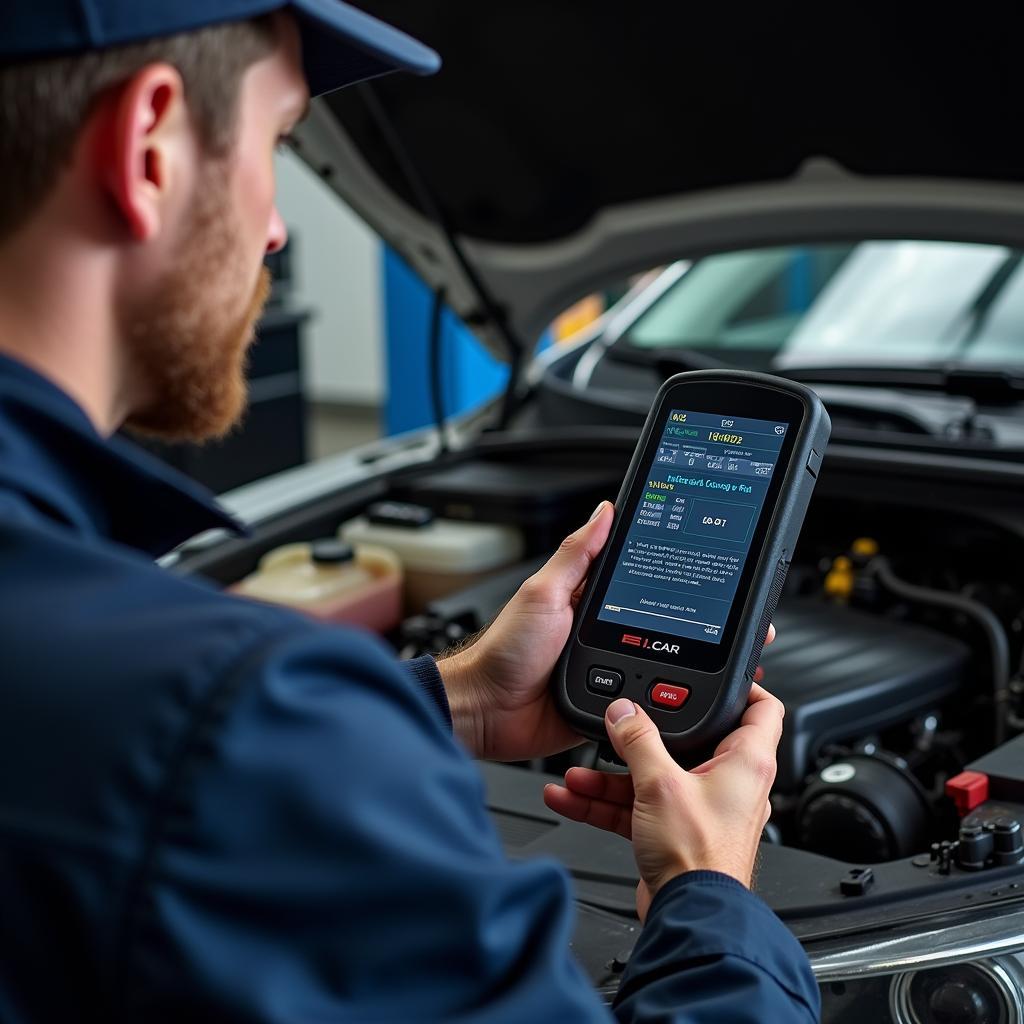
point(620, 709)
point(597, 512)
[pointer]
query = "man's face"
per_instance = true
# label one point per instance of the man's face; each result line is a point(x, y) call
point(189, 334)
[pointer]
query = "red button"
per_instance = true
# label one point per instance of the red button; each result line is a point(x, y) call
point(967, 790)
point(667, 695)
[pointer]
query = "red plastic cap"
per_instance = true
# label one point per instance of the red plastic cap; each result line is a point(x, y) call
point(669, 696)
point(967, 790)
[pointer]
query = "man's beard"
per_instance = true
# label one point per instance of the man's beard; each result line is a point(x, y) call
point(187, 339)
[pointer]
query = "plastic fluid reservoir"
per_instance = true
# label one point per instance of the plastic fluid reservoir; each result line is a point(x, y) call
point(439, 556)
point(332, 581)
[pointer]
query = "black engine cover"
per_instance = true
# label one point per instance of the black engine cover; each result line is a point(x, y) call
point(843, 673)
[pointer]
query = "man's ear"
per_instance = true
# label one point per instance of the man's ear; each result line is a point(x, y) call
point(145, 142)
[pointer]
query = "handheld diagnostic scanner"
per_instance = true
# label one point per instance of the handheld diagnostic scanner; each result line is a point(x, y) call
point(675, 612)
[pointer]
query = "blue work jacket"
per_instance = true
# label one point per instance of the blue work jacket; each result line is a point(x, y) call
point(216, 810)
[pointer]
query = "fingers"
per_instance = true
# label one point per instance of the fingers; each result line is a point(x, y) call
point(769, 639)
point(601, 814)
point(616, 789)
point(601, 799)
point(566, 570)
point(636, 740)
point(759, 732)
point(764, 711)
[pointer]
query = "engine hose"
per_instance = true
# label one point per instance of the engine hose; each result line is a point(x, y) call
point(1015, 720)
point(880, 569)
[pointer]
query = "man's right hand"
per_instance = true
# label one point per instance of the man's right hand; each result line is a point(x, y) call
point(708, 818)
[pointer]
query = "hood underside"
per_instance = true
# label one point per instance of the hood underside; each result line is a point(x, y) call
point(567, 145)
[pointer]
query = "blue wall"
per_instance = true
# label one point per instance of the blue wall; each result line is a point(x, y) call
point(470, 375)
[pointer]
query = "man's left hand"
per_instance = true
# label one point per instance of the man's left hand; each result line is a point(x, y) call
point(498, 687)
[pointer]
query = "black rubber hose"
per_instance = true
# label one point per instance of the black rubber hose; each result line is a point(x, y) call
point(437, 368)
point(987, 621)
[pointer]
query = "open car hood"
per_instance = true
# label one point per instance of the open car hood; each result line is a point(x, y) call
point(565, 146)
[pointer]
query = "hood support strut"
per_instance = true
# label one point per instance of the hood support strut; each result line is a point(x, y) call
point(491, 312)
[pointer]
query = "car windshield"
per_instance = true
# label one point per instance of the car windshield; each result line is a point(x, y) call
point(877, 303)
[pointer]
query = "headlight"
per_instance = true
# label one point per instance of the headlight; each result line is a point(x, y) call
point(969, 972)
point(979, 992)
point(983, 992)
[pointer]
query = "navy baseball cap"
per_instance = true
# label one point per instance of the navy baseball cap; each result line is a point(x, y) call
point(340, 44)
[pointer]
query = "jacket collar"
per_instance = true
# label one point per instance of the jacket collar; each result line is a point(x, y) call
point(51, 454)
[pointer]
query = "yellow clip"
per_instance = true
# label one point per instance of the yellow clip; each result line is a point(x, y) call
point(840, 579)
point(865, 547)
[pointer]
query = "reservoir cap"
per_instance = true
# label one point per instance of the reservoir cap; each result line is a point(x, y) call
point(399, 513)
point(331, 552)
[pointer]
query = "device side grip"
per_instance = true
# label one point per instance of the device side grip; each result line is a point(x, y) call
point(774, 594)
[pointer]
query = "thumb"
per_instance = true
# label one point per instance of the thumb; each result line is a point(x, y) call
point(637, 741)
point(565, 571)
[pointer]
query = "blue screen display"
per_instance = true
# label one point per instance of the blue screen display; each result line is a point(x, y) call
point(691, 530)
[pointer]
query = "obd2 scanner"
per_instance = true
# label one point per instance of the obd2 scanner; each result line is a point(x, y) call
point(675, 612)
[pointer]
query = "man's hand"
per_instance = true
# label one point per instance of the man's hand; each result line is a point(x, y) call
point(678, 821)
point(498, 687)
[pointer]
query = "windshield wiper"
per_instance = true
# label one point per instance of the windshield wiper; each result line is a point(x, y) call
point(986, 386)
point(985, 301)
point(667, 361)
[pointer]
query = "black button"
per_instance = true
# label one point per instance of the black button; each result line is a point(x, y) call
point(605, 681)
point(814, 463)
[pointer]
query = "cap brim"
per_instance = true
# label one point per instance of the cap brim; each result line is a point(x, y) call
point(342, 45)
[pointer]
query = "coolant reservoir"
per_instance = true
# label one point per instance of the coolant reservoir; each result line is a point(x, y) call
point(331, 581)
point(439, 556)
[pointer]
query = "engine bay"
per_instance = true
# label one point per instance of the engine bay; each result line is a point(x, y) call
point(899, 658)
point(887, 699)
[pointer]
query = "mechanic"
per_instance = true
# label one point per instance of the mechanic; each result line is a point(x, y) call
point(212, 809)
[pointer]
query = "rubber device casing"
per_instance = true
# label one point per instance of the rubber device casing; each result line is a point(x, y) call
point(691, 733)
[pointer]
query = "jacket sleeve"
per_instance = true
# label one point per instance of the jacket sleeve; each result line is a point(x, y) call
point(325, 854)
point(426, 675)
point(713, 951)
